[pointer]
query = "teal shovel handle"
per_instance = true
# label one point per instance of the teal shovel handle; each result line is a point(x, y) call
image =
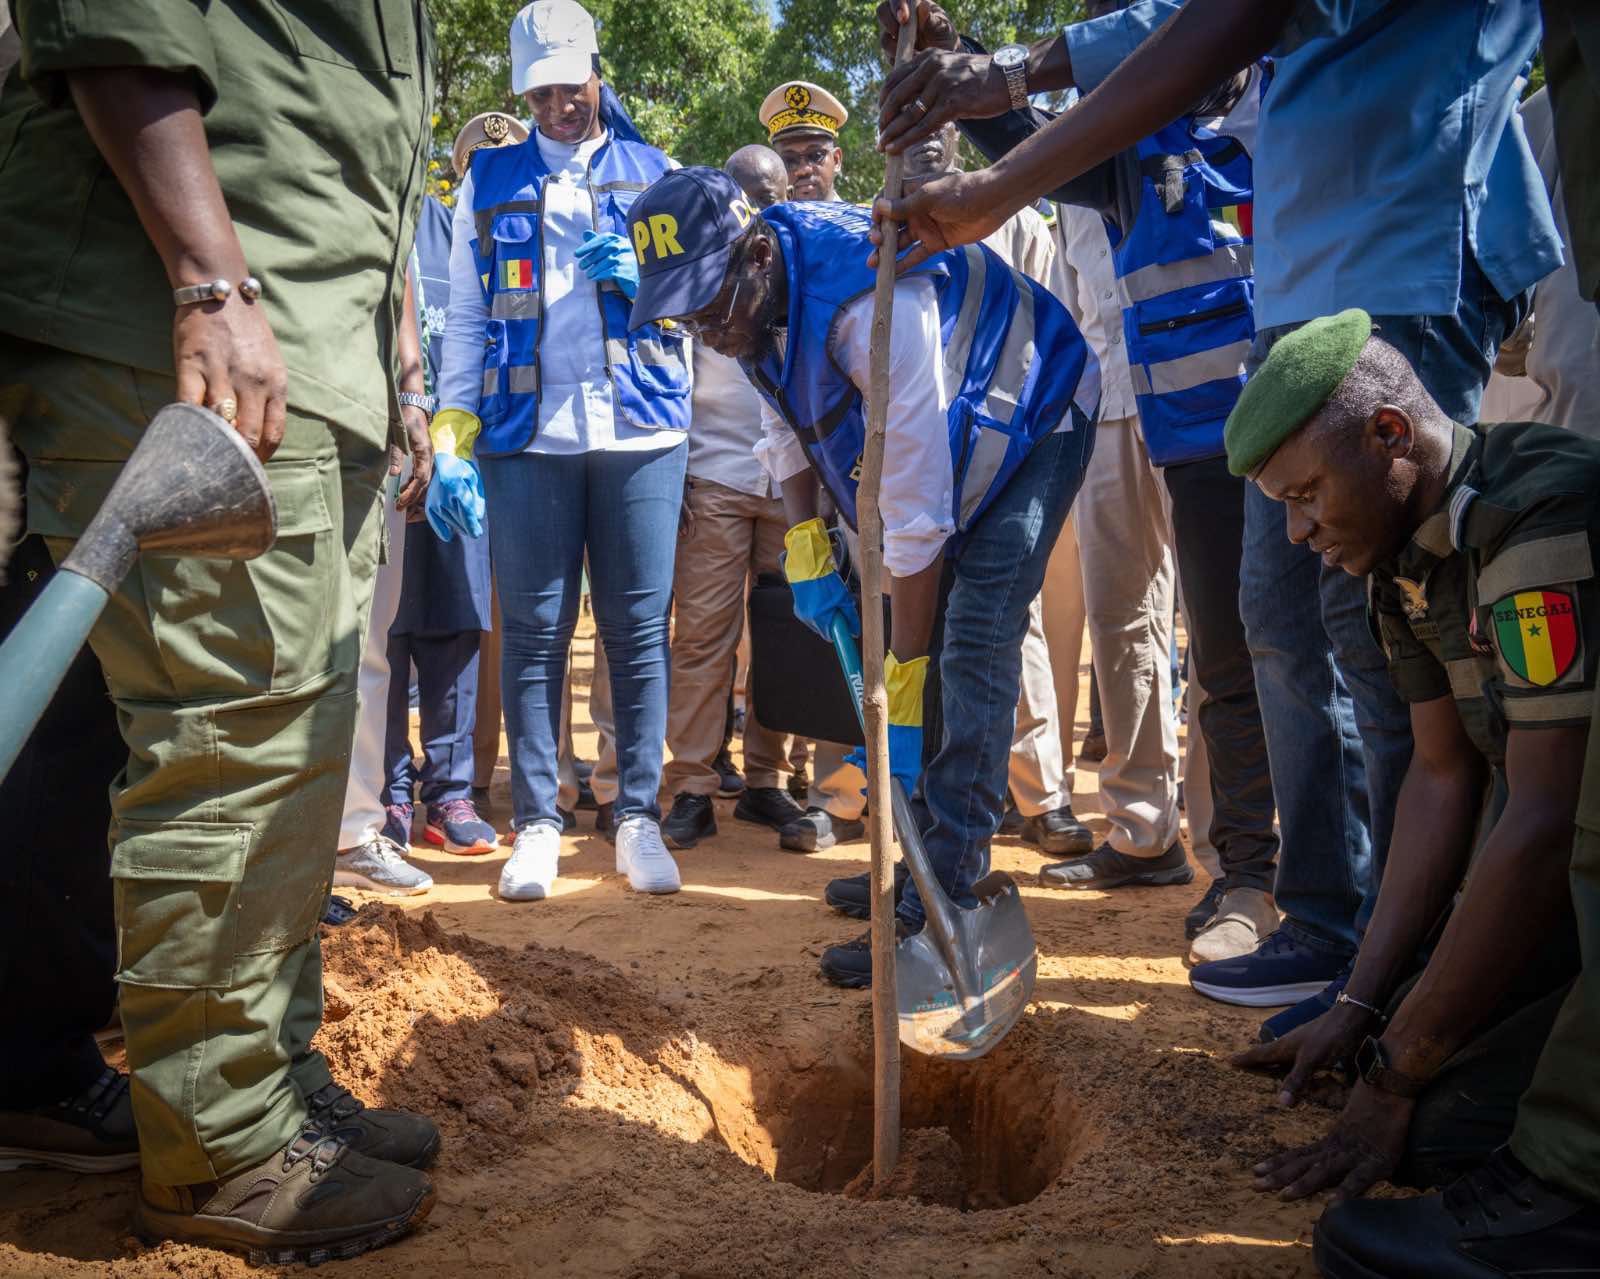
point(38, 652)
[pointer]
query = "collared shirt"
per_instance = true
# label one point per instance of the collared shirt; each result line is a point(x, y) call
point(317, 120)
point(1024, 241)
point(725, 426)
point(577, 403)
point(1494, 600)
point(1086, 282)
point(1388, 143)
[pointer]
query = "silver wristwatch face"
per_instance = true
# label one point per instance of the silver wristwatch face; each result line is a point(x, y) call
point(1011, 55)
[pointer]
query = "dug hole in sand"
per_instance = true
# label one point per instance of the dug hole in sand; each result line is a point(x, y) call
point(664, 1086)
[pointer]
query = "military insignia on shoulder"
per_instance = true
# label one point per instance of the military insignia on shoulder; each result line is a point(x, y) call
point(1413, 599)
point(797, 96)
point(1537, 634)
point(496, 127)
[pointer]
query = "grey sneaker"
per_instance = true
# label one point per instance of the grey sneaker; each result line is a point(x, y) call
point(380, 864)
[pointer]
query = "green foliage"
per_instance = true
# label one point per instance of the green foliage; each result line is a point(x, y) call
point(693, 72)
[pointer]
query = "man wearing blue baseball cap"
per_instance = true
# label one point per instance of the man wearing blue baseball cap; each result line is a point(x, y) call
point(990, 423)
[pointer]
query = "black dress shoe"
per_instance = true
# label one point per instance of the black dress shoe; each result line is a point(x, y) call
point(692, 819)
point(1497, 1222)
point(853, 896)
point(569, 819)
point(1058, 833)
point(1011, 821)
point(816, 829)
point(602, 820)
point(767, 806)
point(729, 780)
point(1203, 911)
point(1107, 868)
point(850, 964)
point(1093, 749)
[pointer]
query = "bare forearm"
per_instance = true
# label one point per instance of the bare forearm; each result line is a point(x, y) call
point(411, 375)
point(800, 497)
point(147, 124)
point(913, 601)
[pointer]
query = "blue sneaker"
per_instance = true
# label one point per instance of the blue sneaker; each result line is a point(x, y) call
point(456, 827)
point(1278, 971)
point(1280, 1024)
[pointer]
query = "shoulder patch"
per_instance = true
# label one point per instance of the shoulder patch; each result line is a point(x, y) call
point(1537, 634)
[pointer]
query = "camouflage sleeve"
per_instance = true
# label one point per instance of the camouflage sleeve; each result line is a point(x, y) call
point(1539, 604)
point(1415, 672)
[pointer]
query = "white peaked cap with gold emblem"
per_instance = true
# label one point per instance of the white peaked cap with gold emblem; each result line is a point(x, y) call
point(486, 129)
point(798, 104)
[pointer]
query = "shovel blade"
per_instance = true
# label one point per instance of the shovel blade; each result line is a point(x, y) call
point(1004, 962)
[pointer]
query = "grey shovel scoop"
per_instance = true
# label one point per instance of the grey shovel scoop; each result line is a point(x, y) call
point(191, 487)
point(966, 977)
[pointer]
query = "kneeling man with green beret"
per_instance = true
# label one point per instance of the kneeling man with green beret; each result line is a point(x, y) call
point(1479, 546)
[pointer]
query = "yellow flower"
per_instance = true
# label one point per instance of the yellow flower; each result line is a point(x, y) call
point(433, 166)
point(435, 119)
point(448, 201)
point(444, 184)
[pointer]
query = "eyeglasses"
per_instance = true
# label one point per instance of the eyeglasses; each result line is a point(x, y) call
point(696, 325)
point(815, 158)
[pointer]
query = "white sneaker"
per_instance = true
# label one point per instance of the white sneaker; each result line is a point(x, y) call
point(379, 865)
point(644, 859)
point(531, 868)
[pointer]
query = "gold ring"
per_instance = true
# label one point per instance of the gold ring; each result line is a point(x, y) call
point(228, 410)
point(921, 106)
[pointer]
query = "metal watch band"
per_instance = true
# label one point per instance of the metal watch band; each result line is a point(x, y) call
point(218, 290)
point(1013, 62)
point(429, 404)
point(1372, 1064)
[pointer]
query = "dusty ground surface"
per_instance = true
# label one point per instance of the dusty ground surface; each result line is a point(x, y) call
point(644, 1086)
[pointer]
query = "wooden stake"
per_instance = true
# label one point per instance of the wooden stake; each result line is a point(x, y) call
point(875, 698)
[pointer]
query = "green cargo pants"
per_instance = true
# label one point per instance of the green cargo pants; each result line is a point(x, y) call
point(235, 686)
point(1558, 1124)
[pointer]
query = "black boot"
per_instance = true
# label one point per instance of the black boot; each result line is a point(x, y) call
point(767, 806)
point(692, 819)
point(1058, 833)
point(1496, 1222)
point(853, 896)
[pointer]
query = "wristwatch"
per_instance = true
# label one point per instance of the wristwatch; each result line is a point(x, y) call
point(1372, 1064)
point(1013, 60)
point(429, 404)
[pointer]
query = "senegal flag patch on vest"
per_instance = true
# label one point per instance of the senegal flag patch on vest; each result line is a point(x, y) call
point(1537, 634)
point(516, 273)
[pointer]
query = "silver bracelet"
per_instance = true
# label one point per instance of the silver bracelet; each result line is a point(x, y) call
point(218, 290)
point(1344, 997)
point(429, 404)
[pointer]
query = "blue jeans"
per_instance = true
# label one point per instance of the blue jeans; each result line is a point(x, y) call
point(1338, 736)
point(993, 580)
point(545, 513)
point(447, 704)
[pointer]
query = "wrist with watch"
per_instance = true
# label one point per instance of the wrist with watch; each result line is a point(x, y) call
point(1374, 1069)
point(429, 404)
point(1012, 59)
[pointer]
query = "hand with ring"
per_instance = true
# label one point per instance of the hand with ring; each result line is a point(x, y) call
point(937, 86)
point(227, 358)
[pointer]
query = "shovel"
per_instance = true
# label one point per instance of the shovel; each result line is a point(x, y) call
point(191, 487)
point(963, 981)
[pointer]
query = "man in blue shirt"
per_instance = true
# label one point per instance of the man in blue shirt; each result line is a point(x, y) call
point(1415, 198)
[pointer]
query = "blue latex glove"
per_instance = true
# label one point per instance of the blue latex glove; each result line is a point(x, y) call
point(455, 498)
point(610, 257)
point(819, 592)
point(905, 756)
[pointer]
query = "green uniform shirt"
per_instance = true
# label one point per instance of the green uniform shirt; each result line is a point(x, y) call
point(1494, 601)
point(318, 118)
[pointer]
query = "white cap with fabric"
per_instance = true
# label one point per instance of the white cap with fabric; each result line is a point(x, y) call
point(552, 42)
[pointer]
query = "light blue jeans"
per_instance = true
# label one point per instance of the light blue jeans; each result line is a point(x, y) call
point(1338, 736)
point(545, 513)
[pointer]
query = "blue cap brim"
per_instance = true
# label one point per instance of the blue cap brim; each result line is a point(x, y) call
point(682, 289)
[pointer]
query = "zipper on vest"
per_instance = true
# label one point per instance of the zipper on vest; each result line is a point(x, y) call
point(1199, 317)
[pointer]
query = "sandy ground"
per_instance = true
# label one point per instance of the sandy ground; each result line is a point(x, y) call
point(643, 1086)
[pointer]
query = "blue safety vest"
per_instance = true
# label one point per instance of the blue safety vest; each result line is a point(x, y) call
point(1186, 273)
point(1014, 362)
point(648, 369)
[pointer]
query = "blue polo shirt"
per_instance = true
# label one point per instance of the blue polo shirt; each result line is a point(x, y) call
point(1389, 141)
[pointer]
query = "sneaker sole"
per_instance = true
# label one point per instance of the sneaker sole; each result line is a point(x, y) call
point(724, 793)
point(438, 840)
point(350, 879)
point(852, 909)
point(13, 1158)
point(1145, 879)
point(274, 1247)
point(685, 841)
point(846, 981)
point(537, 893)
point(1259, 996)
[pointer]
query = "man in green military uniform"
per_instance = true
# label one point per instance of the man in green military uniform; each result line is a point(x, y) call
point(1480, 549)
point(214, 203)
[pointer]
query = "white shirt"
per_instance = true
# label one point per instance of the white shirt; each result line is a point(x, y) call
point(577, 404)
point(725, 426)
point(1086, 282)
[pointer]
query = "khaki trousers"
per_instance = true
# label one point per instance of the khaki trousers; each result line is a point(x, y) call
point(235, 687)
point(727, 537)
point(1125, 545)
point(1043, 762)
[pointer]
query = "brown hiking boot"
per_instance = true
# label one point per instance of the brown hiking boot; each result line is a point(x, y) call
point(91, 1131)
point(315, 1200)
point(396, 1136)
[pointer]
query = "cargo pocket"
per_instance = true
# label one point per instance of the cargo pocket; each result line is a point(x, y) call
point(298, 582)
point(177, 898)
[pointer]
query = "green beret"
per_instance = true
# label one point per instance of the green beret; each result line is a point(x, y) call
point(1301, 372)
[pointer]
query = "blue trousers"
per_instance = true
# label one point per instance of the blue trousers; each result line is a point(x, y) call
point(545, 514)
point(978, 653)
point(1338, 736)
point(447, 706)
